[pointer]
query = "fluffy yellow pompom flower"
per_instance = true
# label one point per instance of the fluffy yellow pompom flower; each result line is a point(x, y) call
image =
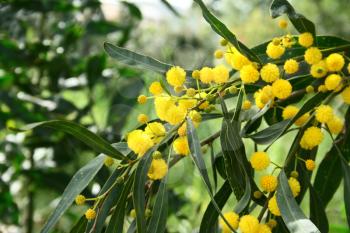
point(176, 76)
point(139, 141)
point(335, 62)
point(282, 88)
point(187, 103)
point(180, 146)
point(272, 223)
point(246, 105)
point(218, 54)
point(263, 96)
point(312, 137)
point(291, 66)
point(155, 88)
point(313, 55)
point(302, 120)
point(175, 115)
point(80, 200)
point(182, 130)
point(142, 99)
point(324, 113)
point(142, 118)
point(195, 116)
point(335, 125)
point(282, 23)
point(249, 74)
point(268, 183)
point(221, 74)
point(156, 131)
point(287, 41)
point(90, 214)
point(332, 82)
point(232, 218)
point(294, 186)
point(289, 112)
point(196, 74)
point(322, 88)
point(206, 75)
point(190, 92)
point(248, 224)
point(273, 206)
point(274, 51)
point(109, 161)
point(306, 39)
point(270, 73)
point(319, 70)
point(237, 60)
point(264, 228)
point(260, 160)
point(162, 104)
point(310, 164)
point(158, 169)
point(346, 95)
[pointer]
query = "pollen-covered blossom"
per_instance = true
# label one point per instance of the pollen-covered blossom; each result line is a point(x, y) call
point(220, 74)
point(346, 95)
point(268, 183)
point(248, 224)
point(282, 88)
point(233, 220)
point(158, 169)
point(306, 39)
point(310, 164)
point(294, 186)
point(249, 74)
point(273, 206)
point(260, 160)
point(139, 141)
point(155, 88)
point(324, 113)
point(270, 73)
point(176, 76)
point(335, 62)
point(313, 55)
point(156, 131)
point(311, 138)
point(291, 66)
point(274, 51)
point(206, 75)
point(236, 59)
point(180, 146)
point(335, 125)
point(319, 69)
point(332, 82)
point(289, 112)
point(90, 214)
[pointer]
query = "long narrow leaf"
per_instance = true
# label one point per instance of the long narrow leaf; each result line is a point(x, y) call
point(78, 183)
point(81, 133)
point(294, 218)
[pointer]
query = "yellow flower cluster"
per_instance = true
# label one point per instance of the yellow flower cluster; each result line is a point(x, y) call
point(260, 160)
point(246, 224)
point(158, 169)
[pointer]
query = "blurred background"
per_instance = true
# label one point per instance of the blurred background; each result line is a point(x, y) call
point(53, 66)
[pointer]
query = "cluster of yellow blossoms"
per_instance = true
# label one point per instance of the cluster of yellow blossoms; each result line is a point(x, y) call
point(246, 224)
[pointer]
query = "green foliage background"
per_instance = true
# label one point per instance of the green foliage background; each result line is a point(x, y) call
point(53, 66)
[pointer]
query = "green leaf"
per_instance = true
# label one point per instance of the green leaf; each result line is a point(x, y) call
point(103, 211)
point(89, 138)
point(346, 173)
point(294, 218)
point(80, 226)
point(116, 223)
point(196, 153)
point(328, 176)
point(78, 183)
point(159, 216)
point(255, 121)
point(139, 190)
point(131, 58)
point(170, 7)
point(211, 215)
point(223, 31)
point(302, 24)
point(244, 201)
point(317, 210)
